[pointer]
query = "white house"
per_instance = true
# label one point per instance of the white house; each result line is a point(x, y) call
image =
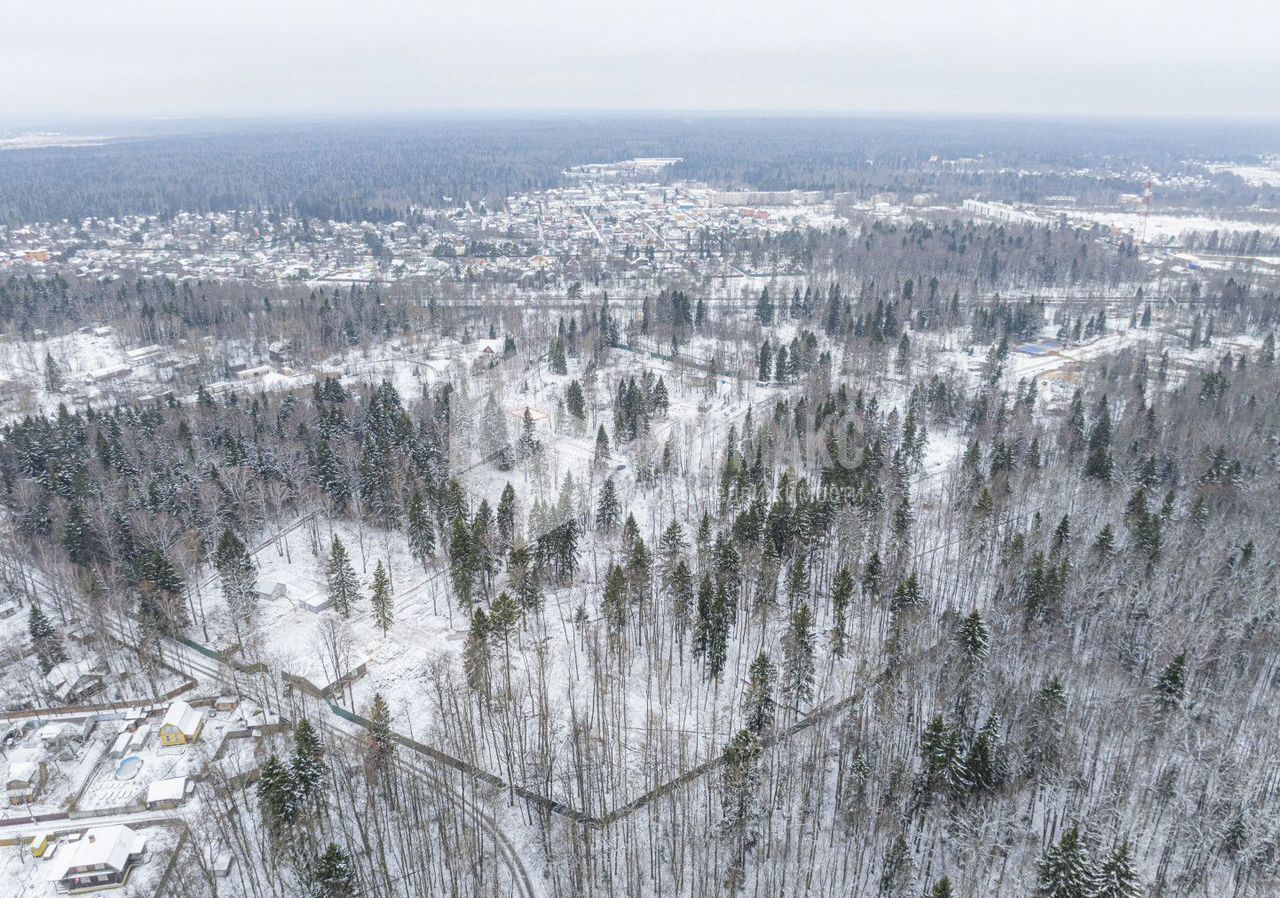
point(103, 856)
point(277, 591)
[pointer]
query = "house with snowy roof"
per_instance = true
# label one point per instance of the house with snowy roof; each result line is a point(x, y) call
point(181, 725)
point(24, 780)
point(72, 680)
point(103, 856)
point(167, 793)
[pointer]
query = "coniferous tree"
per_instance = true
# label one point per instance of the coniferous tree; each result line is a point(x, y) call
point(765, 362)
point(1171, 684)
point(985, 765)
point(52, 374)
point(160, 593)
point(475, 654)
point(340, 579)
point(841, 593)
point(1117, 877)
point(380, 599)
point(718, 633)
point(494, 441)
point(1044, 738)
point(614, 601)
point(608, 509)
point(640, 573)
point(46, 642)
point(671, 547)
point(798, 656)
point(681, 591)
point(382, 745)
point(506, 515)
point(764, 308)
point(574, 401)
point(420, 530)
point(945, 765)
point(757, 704)
point(462, 565)
point(1065, 869)
point(973, 637)
point(704, 622)
point(602, 446)
point(239, 576)
point(556, 360)
point(333, 876)
point(79, 537)
point(308, 769)
point(1099, 465)
point(277, 797)
point(741, 802)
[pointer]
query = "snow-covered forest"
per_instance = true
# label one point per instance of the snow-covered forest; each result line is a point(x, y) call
point(947, 568)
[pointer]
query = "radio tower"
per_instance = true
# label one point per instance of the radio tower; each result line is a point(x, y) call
point(1146, 210)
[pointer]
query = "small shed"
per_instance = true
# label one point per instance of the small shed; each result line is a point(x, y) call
point(167, 793)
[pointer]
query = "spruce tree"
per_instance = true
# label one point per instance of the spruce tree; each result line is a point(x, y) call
point(1171, 684)
point(740, 799)
point(1065, 869)
point(46, 642)
point(973, 638)
point(704, 624)
point(340, 579)
point(160, 593)
point(640, 573)
point(556, 359)
point(462, 566)
point(798, 656)
point(277, 797)
point(681, 593)
point(333, 876)
point(506, 514)
point(382, 745)
point(475, 654)
point(758, 704)
point(239, 576)
point(671, 547)
point(608, 509)
point(381, 599)
point(1118, 878)
point(602, 446)
point(614, 601)
point(575, 402)
point(308, 769)
point(420, 530)
point(79, 537)
point(986, 766)
point(718, 635)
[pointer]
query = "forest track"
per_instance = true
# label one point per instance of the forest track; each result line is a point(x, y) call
point(408, 763)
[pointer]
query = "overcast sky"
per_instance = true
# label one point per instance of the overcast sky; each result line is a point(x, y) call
point(92, 58)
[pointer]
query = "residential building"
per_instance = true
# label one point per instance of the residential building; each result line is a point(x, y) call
point(181, 725)
point(103, 856)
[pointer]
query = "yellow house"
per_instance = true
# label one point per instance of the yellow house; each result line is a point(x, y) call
point(181, 724)
point(40, 844)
